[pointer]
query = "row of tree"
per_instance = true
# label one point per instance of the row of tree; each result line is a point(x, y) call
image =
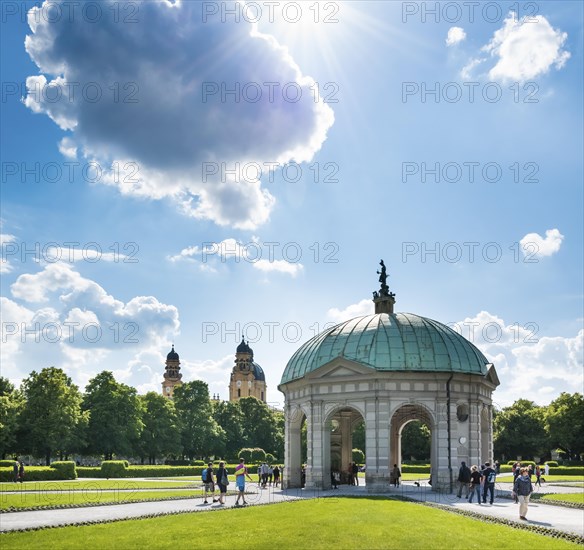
point(49, 416)
point(529, 430)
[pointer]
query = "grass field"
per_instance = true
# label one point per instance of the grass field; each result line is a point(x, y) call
point(29, 500)
point(566, 497)
point(374, 523)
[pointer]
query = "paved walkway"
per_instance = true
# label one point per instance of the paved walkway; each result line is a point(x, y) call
point(560, 518)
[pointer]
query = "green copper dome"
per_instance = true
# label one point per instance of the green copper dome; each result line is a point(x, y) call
point(389, 342)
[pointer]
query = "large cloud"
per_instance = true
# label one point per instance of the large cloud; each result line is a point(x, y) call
point(538, 246)
point(152, 112)
point(72, 322)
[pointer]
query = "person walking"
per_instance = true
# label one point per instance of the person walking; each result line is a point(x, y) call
point(489, 477)
point(475, 484)
point(15, 470)
point(538, 475)
point(209, 482)
point(240, 474)
point(395, 475)
point(463, 480)
point(276, 475)
point(546, 469)
point(355, 474)
point(222, 481)
point(523, 489)
point(21, 472)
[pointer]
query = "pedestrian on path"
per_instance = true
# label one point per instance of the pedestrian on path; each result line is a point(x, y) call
point(222, 481)
point(475, 483)
point(21, 472)
point(546, 469)
point(463, 480)
point(240, 474)
point(523, 489)
point(15, 470)
point(489, 476)
point(209, 482)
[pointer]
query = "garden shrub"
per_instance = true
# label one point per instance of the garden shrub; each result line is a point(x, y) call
point(114, 468)
point(66, 469)
point(7, 463)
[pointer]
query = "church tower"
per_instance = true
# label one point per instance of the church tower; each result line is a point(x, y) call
point(172, 375)
point(247, 377)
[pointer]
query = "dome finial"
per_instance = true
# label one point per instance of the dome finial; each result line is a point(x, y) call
point(383, 299)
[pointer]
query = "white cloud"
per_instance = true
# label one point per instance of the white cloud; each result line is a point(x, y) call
point(68, 148)
point(526, 49)
point(5, 265)
point(534, 245)
point(210, 254)
point(528, 364)
point(280, 266)
point(364, 307)
point(159, 119)
point(455, 35)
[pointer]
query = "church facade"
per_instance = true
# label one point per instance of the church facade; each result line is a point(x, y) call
point(247, 378)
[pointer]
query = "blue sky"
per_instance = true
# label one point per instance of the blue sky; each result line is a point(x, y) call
point(193, 257)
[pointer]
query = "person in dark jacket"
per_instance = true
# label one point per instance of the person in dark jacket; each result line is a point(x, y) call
point(221, 478)
point(475, 483)
point(21, 472)
point(489, 476)
point(15, 470)
point(523, 489)
point(463, 479)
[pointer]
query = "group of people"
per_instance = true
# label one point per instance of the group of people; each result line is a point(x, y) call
point(474, 481)
point(268, 475)
point(220, 478)
point(18, 471)
point(538, 471)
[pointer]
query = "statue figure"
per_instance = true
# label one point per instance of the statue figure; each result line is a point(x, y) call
point(383, 280)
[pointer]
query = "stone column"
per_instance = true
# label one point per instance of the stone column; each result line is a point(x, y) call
point(315, 448)
point(293, 449)
point(346, 440)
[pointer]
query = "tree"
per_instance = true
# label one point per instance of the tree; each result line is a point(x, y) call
point(229, 416)
point(201, 436)
point(260, 427)
point(160, 435)
point(114, 416)
point(51, 413)
point(564, 419)
point(416, 441)
point(11, 404)
point(518, 430)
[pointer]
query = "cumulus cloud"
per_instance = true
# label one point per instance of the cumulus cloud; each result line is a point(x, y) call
point(534, 245)
point(455, 35)
point(209, 255)
point(79, 326)
point(543, 365)
point(364, 307)
point(523, 49)
point(68, 148)
point(163, 85)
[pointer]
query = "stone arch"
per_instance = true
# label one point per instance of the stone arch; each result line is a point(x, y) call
point(295, 416)
point(402, 415)
point(337, 445)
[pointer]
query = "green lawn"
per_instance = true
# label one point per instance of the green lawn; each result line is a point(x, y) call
point(85, 485)
point(566, 497)
point(324, 523)
point(29, 500)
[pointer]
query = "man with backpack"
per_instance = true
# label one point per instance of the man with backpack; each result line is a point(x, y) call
point(207, 477)
point(463, 480)
point(489, 475)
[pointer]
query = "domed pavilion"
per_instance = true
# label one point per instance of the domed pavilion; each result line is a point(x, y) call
point(386, 370)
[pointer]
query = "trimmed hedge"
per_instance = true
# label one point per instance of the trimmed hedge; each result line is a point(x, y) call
point(32, 473)
point(552, 463)
point(114, 468)
point(66, 469)
point(7, 463)
point(567, 471)
point(412, 469)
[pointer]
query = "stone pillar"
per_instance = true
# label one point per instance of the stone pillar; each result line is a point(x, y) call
point(293, 450)
point(346, 440)
point(441, 475)
point(315, 448)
